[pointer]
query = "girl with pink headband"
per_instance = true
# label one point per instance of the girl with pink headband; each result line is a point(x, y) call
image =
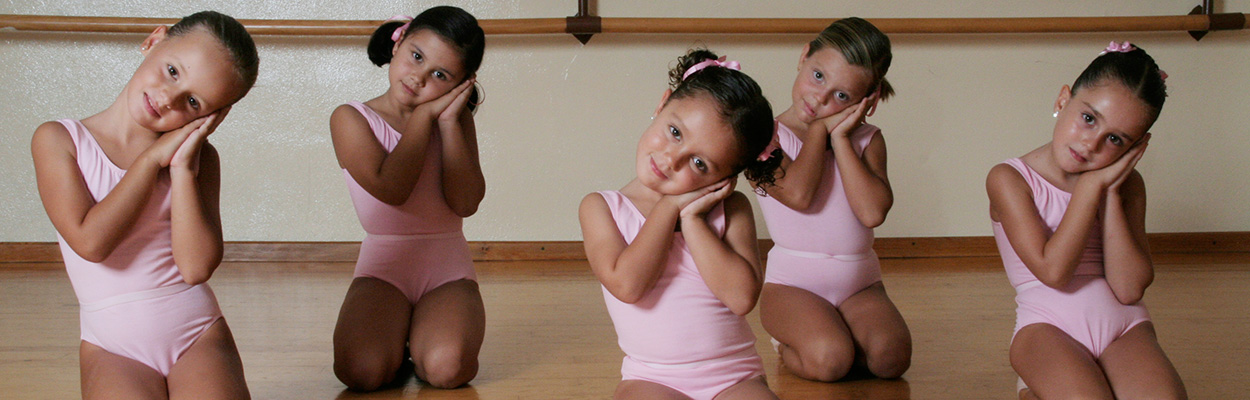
point(675, 248)
point(133, 194)
point(823, 300)
point(410, 159)
point(1069, 218)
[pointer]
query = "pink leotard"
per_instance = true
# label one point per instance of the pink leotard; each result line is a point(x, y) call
point(419, 245)
point(680, 334)
point(1085, 309)
point(823, 249)
point(135, 303)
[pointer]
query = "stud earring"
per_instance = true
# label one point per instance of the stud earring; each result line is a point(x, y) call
point(1056, 115)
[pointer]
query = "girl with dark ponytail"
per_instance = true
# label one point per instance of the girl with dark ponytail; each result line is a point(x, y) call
point(410, 159)
point(1070, 221)
point(675, 248)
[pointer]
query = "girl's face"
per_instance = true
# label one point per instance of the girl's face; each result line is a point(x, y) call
point(180, 79)
point(826, 84)
point(688, 146)
point(1097, 125)
point(423, 67)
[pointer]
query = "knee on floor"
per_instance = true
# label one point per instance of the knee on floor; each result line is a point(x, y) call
point(447, 367)
point(363, 373)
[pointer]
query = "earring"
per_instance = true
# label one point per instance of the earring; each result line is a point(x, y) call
point(1056, 115)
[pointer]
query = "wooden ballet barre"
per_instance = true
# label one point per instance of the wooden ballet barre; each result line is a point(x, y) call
point(541, 26)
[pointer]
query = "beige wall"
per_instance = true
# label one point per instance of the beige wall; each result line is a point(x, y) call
point(562, 119)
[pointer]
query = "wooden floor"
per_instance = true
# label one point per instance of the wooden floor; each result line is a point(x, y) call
point(549, 337)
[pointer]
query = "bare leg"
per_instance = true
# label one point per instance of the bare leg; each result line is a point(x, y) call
point(210, 369)
point(815, 342)
point(370, 335)
point(1056, 366)
point(880, 333)
point(644, 390)
point(1137, 368)
point(109, 376)
point(750, 389)
point(448, 325)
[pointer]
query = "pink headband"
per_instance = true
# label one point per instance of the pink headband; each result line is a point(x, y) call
point(1118, 48)
point(707, 63)
point(399, 32)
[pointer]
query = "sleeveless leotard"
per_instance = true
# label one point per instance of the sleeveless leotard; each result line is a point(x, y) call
point(135, 303)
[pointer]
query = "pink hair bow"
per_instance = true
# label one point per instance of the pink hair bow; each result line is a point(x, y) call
point(1117, 48)
point(773, 145)
point(399, 32)
point(734, 65)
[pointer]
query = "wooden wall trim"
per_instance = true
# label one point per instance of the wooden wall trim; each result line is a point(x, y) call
point(913, 247)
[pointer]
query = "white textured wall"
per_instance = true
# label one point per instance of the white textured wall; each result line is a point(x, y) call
point(562, 119)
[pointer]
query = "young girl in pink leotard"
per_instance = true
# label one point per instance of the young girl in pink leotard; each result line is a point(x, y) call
point(823, 301)
point(133, 194)
point(411, 163)
point(1069, 218)
point(675, 248)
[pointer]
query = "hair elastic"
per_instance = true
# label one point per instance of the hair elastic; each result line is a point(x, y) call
point(1118, 48)
point(399, 32)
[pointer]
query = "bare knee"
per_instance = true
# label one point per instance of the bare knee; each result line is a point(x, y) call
point(363, 373)
point(447, 367)
point(828, 360)
point(890, 359)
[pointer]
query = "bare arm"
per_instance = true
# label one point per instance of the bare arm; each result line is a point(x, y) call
point(93, 230)
point(628, 271)
point(463, 183)
point(864, 179)
point(1051, 258)
point(800, 178)
point(195, 217)
point(796, 185)
point(1126, 254)
point(389, 177)
point(731, 267)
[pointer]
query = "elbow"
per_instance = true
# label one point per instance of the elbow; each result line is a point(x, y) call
point(95, 252)
point(195, 276)
point(1127, 297)
point(1130, 293)
point(873, 220)
point(1055, 280)
point(626, 296)
point(743, 306)
point(465, 210)
point(394, 199)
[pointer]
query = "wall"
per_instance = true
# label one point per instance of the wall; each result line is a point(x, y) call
point(562, 119)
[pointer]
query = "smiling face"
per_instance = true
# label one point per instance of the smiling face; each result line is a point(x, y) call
point(1097, 125)
point(827, 84)
point(423, 67)
point(180, 79)
point(688, 146)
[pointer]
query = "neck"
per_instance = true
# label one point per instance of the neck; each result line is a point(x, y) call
point(115, 122)
point(790, 118)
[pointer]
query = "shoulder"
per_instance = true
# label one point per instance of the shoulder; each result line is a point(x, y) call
point(592, 203)
point(737, 203)
point(1004, 176)
point(348, 115)
point(51, 136)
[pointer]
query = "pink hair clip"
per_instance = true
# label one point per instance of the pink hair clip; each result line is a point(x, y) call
point(399, 32)
point(1163, 75)
point(734, 65)
point(1118, 48)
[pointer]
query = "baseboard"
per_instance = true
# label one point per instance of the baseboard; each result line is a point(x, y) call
point(908, 247)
